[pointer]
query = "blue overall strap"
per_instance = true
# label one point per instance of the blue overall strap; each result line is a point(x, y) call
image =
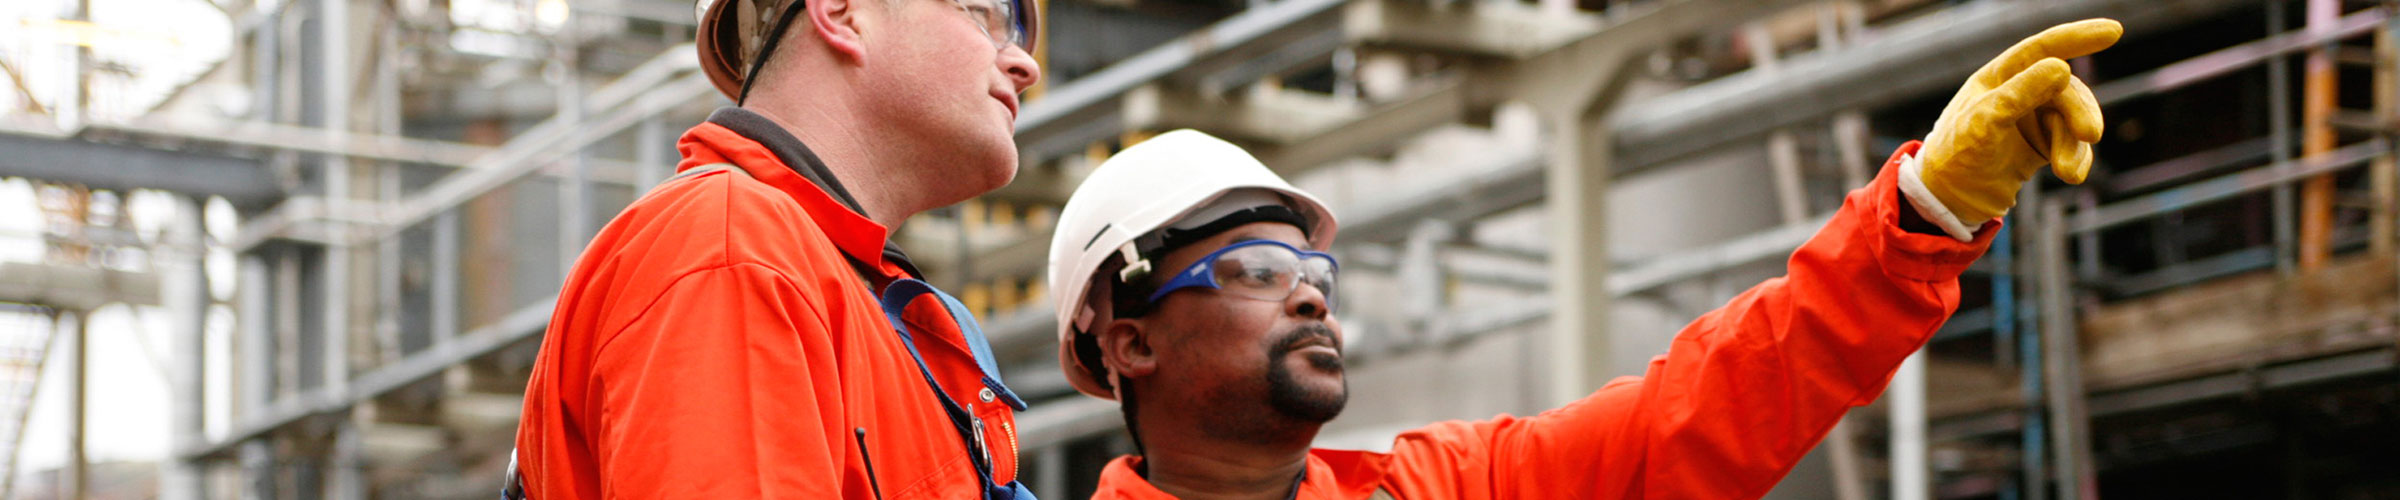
point(981, 347)
point(895, 300)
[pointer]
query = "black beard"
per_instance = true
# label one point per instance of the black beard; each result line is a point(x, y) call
point(1287, 396)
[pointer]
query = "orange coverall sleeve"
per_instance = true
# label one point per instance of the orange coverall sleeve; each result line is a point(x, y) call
point(724, 387)
point(1741, 393)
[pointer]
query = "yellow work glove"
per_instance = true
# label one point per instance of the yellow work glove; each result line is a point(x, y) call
point(2019, 112)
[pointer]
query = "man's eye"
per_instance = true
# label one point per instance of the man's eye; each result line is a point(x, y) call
point(1259, 276)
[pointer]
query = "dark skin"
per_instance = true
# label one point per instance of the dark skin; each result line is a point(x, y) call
point(1196, 363)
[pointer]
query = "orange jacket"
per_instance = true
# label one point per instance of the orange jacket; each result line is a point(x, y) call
point(1742, 393)
point(714, 342)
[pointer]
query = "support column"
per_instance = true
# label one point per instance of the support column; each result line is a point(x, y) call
point(444, 283)
point(575, 191)
point(653, 154)
point(2034, 439)
point(2064, 366)
point(2279, 135)
point(2382, 173)
point(332, 39)
point(1052, 461)
point(258, 465)
point(346, 470)
point(1842, 442)
point(78, 476)
point(1910, 475)
point(1574, 358)
point(187, 300)
point(2318, 105)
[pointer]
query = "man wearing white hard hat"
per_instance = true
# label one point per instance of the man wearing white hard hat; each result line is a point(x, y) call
point(747, 329)
point(1193, 288)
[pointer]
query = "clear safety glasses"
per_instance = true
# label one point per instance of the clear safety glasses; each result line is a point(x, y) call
point(1007, 22)
point(1258, 269)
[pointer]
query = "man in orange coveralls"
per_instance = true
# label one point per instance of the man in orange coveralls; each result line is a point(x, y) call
point(722, 337)
point(1192, 288)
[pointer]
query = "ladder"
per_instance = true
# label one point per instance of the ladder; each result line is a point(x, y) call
point(25, 339)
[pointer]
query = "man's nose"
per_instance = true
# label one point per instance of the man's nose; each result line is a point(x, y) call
point(1022, 71)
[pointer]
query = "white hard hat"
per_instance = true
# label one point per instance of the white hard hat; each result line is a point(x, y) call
point(1148, 186)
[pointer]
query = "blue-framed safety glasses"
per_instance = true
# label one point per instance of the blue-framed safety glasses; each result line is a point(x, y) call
point(1266, 270)
point(1008, 22)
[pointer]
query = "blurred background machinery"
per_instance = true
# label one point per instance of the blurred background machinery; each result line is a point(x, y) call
point(331, 230)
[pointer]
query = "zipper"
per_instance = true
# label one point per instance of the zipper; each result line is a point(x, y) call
point(1009, 434)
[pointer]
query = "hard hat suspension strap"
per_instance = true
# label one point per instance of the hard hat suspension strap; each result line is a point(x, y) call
point(774, 37)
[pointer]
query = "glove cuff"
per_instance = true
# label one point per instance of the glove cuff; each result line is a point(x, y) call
point(1912, 185)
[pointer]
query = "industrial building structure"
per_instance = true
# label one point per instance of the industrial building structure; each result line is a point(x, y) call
point(1535, 196)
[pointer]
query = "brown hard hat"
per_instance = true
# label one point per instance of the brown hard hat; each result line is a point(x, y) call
point(732, 32)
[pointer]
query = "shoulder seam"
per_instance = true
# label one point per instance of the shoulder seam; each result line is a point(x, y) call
point(677, 283)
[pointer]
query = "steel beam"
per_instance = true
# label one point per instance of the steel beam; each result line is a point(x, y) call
point(2227, 186)
point(245, 182)
point(1375, 130)
point(1511, 30)
point(75, 288)
point(525, 324)
point(1076, 113)
point(529, 151)
point(1905, 61)
point(1268, 115)
point(2225, 61)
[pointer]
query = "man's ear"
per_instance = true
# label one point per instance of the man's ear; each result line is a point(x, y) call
point(838, 24)
point(1125, 345)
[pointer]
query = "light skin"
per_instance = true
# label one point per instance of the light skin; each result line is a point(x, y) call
point(905, 100)
point(1201, 366)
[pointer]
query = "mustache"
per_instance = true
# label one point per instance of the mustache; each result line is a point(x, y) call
point(1291, 340)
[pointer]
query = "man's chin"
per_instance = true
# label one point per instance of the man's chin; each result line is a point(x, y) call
point(1310, 397)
